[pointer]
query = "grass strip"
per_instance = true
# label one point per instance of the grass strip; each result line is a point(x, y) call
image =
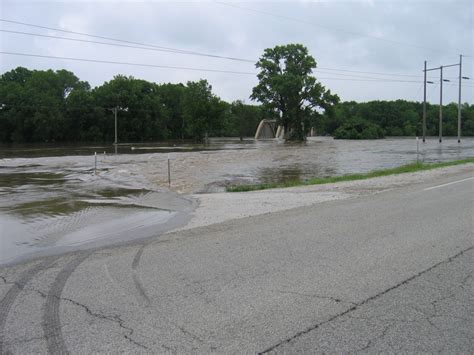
point(408, 168)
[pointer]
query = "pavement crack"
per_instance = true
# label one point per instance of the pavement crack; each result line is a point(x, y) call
point(134, 341)
point(367, 300)
point(371, 341)
point(112, 318)
point(464, 282)
point(330, 298)
point(188, 333)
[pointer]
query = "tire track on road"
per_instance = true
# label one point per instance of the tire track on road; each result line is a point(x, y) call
point(136, 278)
point(51, 321)
point(7, 302)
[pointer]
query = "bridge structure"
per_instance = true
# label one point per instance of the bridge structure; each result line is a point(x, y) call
point(268, 129)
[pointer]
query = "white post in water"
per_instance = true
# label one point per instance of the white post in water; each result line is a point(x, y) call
point(169, 172)
point(95, 162)
point(417, 150)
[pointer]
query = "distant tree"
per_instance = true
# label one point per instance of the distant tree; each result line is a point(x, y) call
point(33, 104)
point(358, 128)
point(245, 119)
point(287, 87)
point(142, 115)
point(172, 96)
point(53, 106)
point(202, 111)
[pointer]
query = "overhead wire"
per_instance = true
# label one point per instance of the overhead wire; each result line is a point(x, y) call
point(175, 50)
point(119, 45)
point(165, 50)
point(363, 79)
point(146, 46)
point(126, 63)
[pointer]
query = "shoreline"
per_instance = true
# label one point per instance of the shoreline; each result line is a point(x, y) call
point(213, 208)
point(403, 169)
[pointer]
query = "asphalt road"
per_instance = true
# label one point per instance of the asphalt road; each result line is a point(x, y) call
point(386, 272)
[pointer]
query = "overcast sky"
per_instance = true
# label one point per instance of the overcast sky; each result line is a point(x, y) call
point(393, 37)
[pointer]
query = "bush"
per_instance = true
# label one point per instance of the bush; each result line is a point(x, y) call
point(358, 129)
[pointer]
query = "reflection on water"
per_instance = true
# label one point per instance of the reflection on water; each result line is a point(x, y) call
point(51, 195)
point(48, 149)
point(35, 178)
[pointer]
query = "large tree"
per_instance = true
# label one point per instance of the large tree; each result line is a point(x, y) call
point(288, 88)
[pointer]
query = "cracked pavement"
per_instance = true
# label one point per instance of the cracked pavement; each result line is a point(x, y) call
point(390, 272)
point(433, 312)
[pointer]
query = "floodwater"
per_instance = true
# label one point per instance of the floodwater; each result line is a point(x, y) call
point(52, 198)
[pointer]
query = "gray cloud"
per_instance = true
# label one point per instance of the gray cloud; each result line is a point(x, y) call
point(438, 30)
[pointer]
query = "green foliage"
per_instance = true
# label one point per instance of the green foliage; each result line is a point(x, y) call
point(244, 119)
point(286, 87)
point(358, 128)
point(52, 106)
point(33, 104)
point(202, 111)
point(395, 118)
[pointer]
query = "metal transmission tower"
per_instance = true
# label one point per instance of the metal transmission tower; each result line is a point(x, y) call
point(441, 80)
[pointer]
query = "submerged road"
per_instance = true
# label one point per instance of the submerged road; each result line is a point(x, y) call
point(386, 272)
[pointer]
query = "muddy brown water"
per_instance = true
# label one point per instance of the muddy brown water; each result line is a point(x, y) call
point(51, 199)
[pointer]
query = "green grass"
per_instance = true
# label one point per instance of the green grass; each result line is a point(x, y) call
point(409, 168)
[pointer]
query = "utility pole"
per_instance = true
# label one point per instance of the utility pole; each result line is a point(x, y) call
point(115, 110)
point(459, 99)
point(424, 105)
point(424, 98)
point(441, 98)
point(441, 104)
point(115, 113)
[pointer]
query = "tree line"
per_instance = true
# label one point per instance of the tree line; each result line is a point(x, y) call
point(377, 119)
point(56, 106)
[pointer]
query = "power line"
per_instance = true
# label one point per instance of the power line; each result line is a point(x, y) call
point(293, 19)
point(127, 63)
point(172, 51)
point(364, 79)
point(175, 50)
point(176, 67)
point(144, 46)
point(370, 72)
point(378, 80)
point(168, 51)
point(165, 50)
point(376, 73)
point(117, 45)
